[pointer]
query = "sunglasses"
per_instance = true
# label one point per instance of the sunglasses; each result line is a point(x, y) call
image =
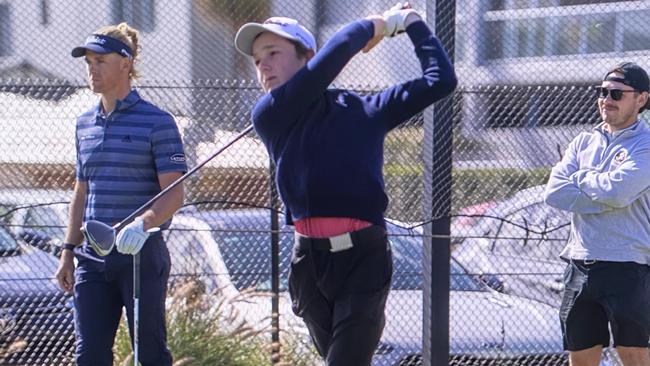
point(616, 94)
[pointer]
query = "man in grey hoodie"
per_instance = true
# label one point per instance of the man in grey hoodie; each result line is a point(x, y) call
point(604, 180)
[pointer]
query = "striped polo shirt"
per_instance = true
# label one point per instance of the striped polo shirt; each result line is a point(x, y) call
point(121, 155)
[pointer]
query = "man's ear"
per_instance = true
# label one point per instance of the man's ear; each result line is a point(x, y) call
point(644, 99)
point(310, 54)
point(126, 64)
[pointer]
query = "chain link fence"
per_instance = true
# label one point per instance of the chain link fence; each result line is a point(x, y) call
point(527, 71)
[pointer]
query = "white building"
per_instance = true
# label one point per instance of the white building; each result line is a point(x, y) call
point(43, 32)
point(499, 42)
point(531, 42)
point(521, 63)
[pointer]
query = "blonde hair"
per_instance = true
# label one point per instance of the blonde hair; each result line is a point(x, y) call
point(129, 36)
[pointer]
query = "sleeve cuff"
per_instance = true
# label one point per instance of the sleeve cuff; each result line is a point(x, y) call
point(69, 246)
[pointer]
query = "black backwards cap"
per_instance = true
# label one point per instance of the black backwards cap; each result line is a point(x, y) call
point(633, 75)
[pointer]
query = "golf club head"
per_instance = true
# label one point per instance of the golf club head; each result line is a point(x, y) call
point(100, 236)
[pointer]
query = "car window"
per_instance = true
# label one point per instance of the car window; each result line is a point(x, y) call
point(7, 243)
point(48, 219)
point(407, 267)
point(522, 235)
point(247, 255)
point(5, 212)
point(189, 258)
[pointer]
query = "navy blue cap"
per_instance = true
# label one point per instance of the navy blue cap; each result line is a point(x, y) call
point(633, 76)
point(103, 44)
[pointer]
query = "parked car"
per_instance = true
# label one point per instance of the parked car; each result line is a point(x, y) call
point(519, 241)
point(36, 318)
point(238, 288)
point(487, 327)
point(36, 216)
point(229, 251)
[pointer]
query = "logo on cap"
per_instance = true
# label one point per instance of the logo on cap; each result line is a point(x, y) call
point(294, 29)
point(278, 22)
point(95, 39)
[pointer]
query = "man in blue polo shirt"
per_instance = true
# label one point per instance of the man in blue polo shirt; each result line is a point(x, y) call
point(128, 150)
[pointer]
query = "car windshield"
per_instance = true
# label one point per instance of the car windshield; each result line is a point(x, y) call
point(7, 243)
point(48, 219)
point(189, 257)
point(407, 266)
point(247, 255)
point(536, 231)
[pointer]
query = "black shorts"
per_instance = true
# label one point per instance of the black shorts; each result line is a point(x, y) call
point(603, 295)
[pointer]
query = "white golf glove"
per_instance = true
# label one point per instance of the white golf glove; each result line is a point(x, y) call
point(131, 239)
point(394, 18)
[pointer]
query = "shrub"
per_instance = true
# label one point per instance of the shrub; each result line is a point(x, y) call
point(469, 187)
point(204, 330)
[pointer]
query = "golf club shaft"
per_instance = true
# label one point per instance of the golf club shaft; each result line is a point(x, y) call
point(140, 210)
point(136, 307)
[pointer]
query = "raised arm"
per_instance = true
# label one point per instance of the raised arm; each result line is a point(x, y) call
point(438, 79)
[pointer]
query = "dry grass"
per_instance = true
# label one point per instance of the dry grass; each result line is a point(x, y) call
point(207, 329)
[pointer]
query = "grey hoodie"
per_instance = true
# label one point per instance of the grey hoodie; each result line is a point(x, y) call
point(603, 179)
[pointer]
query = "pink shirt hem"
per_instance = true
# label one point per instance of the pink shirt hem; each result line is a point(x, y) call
point(324, 227)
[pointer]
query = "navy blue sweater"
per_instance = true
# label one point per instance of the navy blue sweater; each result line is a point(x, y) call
point(328, 144)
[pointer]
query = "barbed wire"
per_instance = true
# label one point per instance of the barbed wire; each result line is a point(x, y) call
point(543, 233)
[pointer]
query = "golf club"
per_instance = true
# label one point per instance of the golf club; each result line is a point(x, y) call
point(101, 236)
point(136, 306)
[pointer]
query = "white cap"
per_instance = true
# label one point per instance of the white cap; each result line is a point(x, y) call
point(283, 27)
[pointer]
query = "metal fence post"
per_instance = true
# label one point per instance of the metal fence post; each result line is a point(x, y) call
point(437, 203)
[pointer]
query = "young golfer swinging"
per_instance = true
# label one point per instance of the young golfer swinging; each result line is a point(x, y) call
point(328, 149)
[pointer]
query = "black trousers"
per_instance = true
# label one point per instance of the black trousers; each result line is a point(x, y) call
point(341, 295)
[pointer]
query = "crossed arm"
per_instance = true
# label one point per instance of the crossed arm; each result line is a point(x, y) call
point(590, 191)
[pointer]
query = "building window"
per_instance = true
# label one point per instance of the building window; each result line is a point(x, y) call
point(569, 36)
point(5, 30)
point(45, 12)
point(583, 35)
point(561, 31)
point(139, 14)
point(635, 33)
point(532, 4)
point(494, 48)
point(585, 2)
point(600, 32)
